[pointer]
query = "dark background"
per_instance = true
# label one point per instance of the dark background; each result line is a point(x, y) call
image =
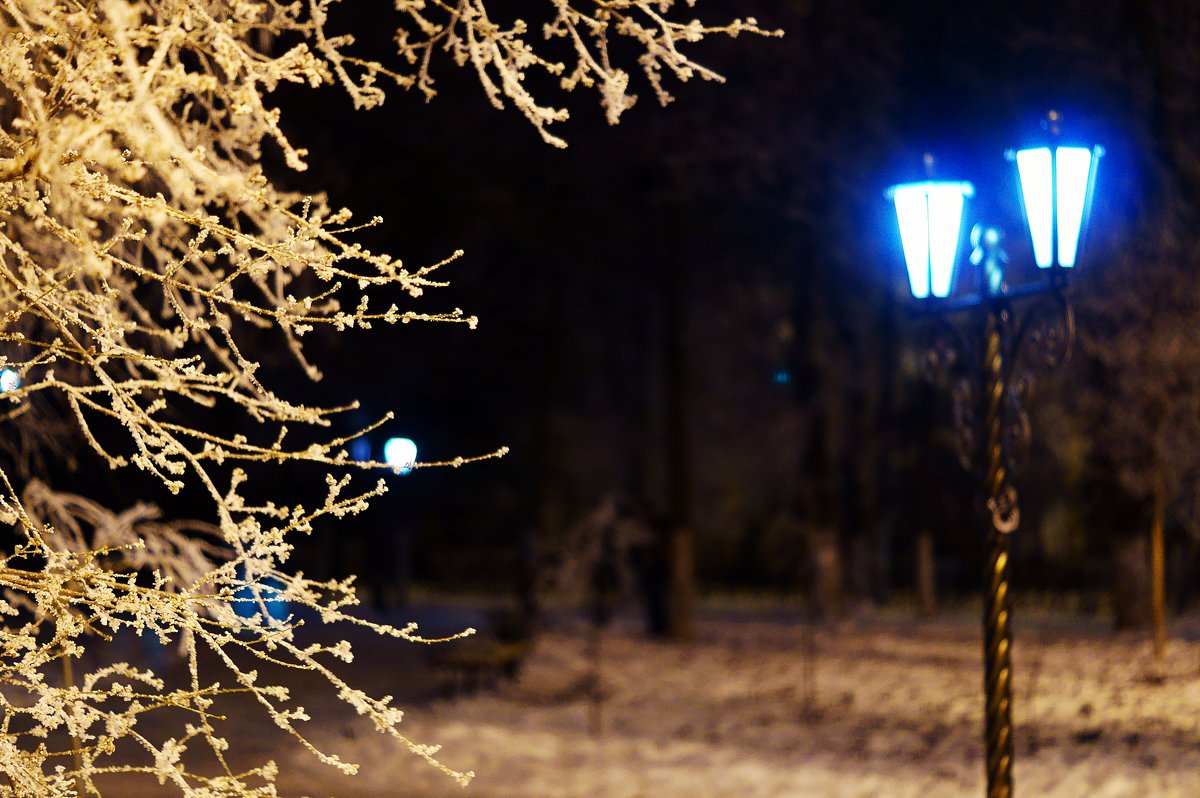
point(730, 262)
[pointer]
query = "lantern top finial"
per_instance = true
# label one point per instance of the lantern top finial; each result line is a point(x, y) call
point(1052, 123)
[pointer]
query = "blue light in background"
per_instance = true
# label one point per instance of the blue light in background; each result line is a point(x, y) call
point(10, 380)
point(245, 603)
point(360, 449)
point(400, 453)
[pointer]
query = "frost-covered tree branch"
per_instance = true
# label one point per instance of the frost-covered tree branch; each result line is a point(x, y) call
point(503, 55)
point(141, 244)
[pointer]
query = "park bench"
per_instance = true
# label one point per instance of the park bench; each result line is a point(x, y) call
point(476, 663)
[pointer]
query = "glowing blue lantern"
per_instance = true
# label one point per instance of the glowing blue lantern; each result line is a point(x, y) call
point(400, 453)
point(10, 380)
point(1056, 189)
point(930, 214)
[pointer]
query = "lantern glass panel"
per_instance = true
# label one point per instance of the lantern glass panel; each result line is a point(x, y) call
point(1037, 184)
point(1073, 167)
point(930, 216)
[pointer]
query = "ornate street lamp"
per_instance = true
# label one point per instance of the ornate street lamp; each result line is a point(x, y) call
point(1056, 186)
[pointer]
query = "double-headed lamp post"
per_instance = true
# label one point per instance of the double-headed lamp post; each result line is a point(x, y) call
point(1056, 181)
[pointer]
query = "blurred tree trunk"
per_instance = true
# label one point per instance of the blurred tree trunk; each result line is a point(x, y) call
point(1158, 570)
point(1131, 600)
point(829, 595)
point(823, 391)
point(860, 487)
point(548, 489)
point(926, 574)
point(681, 598)
point(820, 477)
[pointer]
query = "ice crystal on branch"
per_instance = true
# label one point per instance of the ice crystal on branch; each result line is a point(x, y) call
point(141, 246)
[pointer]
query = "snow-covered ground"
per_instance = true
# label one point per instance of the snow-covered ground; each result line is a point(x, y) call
point(897, 714)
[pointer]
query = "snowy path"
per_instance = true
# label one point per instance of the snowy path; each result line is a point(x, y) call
point(898, 714)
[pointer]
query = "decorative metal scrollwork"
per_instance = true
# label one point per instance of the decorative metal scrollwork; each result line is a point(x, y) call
point(965, 420)
point(1006, 514)
point(1042, 341)
point(1017, 428)
point(1047, 333)
point(947, 355)
point(943, 349)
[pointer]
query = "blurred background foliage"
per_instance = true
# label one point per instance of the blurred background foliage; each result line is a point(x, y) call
point(701, 313)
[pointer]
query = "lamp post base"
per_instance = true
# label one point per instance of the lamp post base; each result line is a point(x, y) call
point(997, 653)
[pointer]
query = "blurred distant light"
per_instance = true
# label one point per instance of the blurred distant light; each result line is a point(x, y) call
point(1056, 188)
point(360, 449)
point(10, 380)
point(247, 598)
point(782, 377)
point(400, 453)
point(930, 215)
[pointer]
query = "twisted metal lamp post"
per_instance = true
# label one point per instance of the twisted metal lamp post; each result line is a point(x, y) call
point(1056, 186)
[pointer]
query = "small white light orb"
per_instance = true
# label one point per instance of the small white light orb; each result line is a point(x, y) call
point(10, 380)
point(400, 453)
